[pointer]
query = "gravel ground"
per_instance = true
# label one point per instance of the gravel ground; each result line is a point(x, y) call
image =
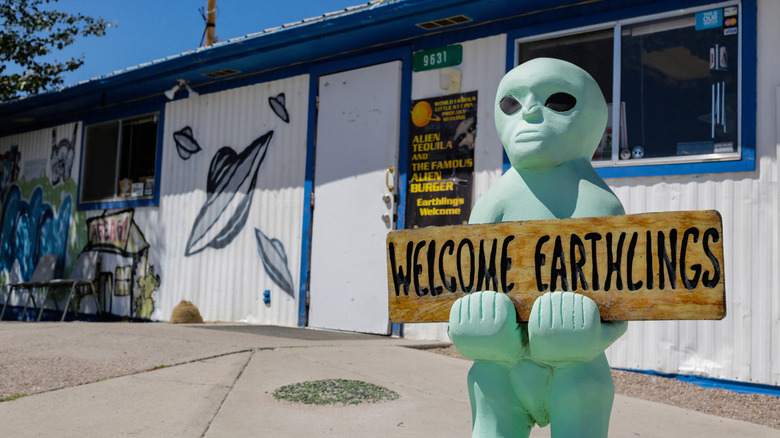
point(753, 408)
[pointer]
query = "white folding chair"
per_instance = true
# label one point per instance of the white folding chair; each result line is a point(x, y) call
point(44, 271)
point(81, 278)
point(14, 276)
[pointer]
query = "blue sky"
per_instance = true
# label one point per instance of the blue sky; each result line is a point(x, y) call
point(147, 30)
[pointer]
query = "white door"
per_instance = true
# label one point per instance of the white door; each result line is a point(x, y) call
point(357, 142)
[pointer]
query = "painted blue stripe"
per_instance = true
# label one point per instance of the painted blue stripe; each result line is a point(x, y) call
point(403, 153)
point(303, 285)
point(403, 144)
point(712, 382)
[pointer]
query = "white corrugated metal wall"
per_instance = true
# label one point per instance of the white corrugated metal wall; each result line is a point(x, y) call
point(746, 344)
point(227, 283)
point(482, 69)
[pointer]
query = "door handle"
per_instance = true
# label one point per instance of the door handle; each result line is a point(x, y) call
point(390, 177)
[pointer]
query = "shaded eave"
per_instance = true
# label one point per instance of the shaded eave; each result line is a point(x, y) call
point(355, 30)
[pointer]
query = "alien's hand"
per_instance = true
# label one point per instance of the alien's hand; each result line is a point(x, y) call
point(483, 326)
point(566, 327)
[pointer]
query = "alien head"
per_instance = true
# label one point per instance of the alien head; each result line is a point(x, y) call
point(548, 112)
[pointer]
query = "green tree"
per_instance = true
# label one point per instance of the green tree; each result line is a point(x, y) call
point(29, 32)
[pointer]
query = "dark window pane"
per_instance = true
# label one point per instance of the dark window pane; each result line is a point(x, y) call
point(100, 153)
point(139, 146)
point(678, 102)
point(591, 51)
point(119, 159)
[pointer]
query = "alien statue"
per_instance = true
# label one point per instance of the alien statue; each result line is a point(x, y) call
point(550, 116)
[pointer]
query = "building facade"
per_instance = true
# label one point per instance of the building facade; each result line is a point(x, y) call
point(258, 178)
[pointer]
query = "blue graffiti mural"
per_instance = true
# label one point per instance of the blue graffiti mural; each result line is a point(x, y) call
point(31, 229)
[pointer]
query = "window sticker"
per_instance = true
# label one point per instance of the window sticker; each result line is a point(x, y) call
point(709, 19)
point(731, 21)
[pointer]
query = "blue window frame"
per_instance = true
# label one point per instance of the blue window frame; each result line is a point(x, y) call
point(684, 72)
point(120, 161)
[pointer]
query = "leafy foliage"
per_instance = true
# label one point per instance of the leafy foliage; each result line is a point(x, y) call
point(31, 31)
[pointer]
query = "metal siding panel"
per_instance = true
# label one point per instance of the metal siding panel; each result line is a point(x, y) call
point(227, 283)
point(483, 67)
point(738, 347)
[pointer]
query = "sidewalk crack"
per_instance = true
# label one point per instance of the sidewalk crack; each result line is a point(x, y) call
point(227, 393)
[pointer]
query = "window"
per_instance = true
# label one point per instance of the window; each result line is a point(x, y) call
point(120, 158)
point(677, 77)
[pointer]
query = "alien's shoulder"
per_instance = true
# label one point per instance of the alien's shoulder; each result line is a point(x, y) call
point(489, 207)
point(598, 199)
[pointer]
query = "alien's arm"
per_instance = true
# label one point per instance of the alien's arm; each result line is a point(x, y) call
point(566, 327)
point(483, 326)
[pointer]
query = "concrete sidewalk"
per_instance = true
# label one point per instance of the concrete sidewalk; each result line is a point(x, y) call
point(218, 380)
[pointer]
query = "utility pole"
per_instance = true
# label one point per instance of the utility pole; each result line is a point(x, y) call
point(211, 22)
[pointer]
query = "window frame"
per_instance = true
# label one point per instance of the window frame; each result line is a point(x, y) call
point(116, 202)
point(741, 161)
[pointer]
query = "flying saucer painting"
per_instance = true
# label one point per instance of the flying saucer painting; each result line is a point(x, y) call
point(277, 104)
point(231, 181)
point(274, 259)
point(186, 145)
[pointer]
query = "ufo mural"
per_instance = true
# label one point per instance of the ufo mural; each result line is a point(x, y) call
point(274, 259)
point(231, 181)
point(277, 104)
point(186, 145)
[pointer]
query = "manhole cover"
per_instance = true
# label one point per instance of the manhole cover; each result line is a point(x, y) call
point(334, 391)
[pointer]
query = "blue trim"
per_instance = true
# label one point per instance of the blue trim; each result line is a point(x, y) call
point(746, 164)
point(115, 115)
point(118, 204)
point(403, 138)
point(403, 153)
point(303, 283)
point(159, 158)
point(712, 382)
point(402, 53)
point(749, 50)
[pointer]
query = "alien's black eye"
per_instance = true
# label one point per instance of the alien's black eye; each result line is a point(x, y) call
point(509, 105)
point(561, 102)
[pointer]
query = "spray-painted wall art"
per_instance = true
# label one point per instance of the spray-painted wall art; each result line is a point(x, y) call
point(32, 228)
point(9, 167)
point(62, 153)
point(125, 258)
point(37, 190)
point(232, 178)
point(186, 145)
point(234, 172)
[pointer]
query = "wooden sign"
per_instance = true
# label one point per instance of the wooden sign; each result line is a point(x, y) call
point(654, 266)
